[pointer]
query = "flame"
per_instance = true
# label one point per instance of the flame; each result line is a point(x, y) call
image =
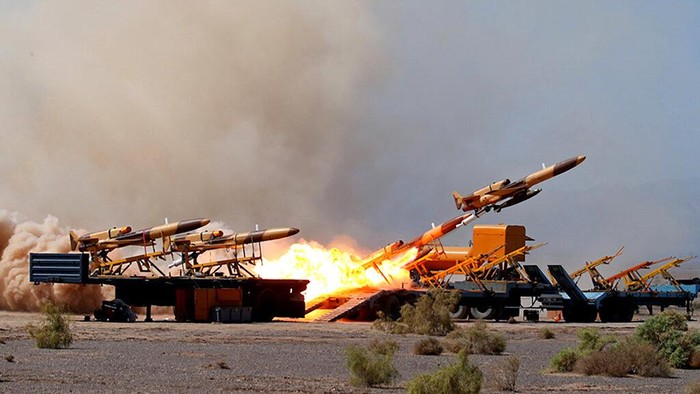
point(333, 271)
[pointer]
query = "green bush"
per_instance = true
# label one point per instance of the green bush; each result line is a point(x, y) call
point(591, 340)
point(504, 374)
point(369, 368)
point(564, 361)
point(54, 332)
point(428, 347)
point(476, 339)
point(678, 347)
point(458, 378)
point(669, 333)
point(654, 330)
point(546, 333)
point(383, 347)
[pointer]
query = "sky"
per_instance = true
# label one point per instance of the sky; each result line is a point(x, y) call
point(357, 119)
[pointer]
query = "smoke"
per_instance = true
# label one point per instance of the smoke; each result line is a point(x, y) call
point(123, 114)
point(354, 118)
point(17, 241)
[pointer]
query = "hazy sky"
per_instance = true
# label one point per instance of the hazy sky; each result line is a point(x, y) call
point(357, 118)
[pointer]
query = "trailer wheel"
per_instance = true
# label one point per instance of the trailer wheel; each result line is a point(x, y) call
point(483, 312)
point(609, 313)
point(580, 314)
point(589, 314)
point(617, 312)
point(264, 306)
point(627, 312)
point(459, 312)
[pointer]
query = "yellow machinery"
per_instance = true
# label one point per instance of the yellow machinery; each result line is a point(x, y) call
point(492, 241)
point(479, 267)
point(643, 282)
point(599, 282)
point(632, 274)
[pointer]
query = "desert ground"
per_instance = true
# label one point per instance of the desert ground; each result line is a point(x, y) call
point(281, 356)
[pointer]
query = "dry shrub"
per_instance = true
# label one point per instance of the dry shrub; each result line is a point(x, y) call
point(459, 378)
point(631, 356)
point(385, 323)
point(546, 333)
point(431, 314)
point(692, 387)
point(694, 361)
point(601, 363)
point(504, 373)
point(477, 339)
point(564, 361)
point(54, 332)
point(369, 368)
point(219, 364)
point(383, 347)
point(428, 347)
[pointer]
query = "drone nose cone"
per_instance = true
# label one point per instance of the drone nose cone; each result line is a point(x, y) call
point(189, 225)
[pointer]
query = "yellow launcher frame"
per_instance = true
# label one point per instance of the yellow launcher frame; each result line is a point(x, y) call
point(643, 282)
point(481, 267)
point(596, 277)
point(107, 266)
point(234, 266)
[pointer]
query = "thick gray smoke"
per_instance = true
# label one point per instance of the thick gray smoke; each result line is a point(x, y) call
point(123, 114)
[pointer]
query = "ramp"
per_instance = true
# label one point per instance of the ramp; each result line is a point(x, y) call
point(314, 304)
point(356, 301)
point(535, 274)
point(567, 284)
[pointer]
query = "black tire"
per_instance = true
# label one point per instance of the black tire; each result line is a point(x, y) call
point(589, 314)
point(459, 312)
point(609, 313)
point(483, 312)
point(627, 312)
point(264, 307)
point(579, 314)
point(570, 314)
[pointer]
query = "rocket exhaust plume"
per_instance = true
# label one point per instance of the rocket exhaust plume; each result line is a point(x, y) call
point(17, 240)
point(334, 270)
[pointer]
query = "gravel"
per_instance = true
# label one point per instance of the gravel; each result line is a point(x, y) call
point(282, 356)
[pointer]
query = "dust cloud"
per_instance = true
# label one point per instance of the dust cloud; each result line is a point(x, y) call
point(17, 240)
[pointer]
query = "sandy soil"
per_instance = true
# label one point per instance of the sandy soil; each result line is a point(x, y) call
point(282, 356)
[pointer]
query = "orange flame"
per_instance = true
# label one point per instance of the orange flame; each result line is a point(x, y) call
point(333, 271)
